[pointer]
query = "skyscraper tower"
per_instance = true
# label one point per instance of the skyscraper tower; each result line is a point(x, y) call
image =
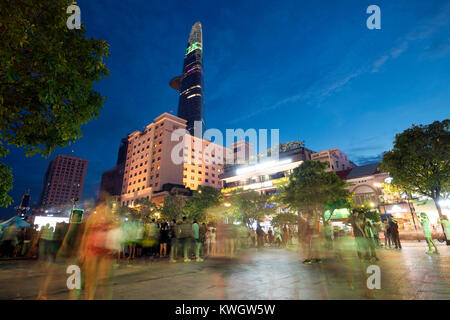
point(191, 105)
point(63, 181)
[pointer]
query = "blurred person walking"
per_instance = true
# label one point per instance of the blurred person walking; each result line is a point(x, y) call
point(370, 236)
point(425, 222)
point(9, 240)
point(357, 220)
point(95, 253)
point(163, 239)
point(174, 243)
point(446, 224)
point(387, 233)
point(393, 226)
point(260, 235)
point(185, 236)
point(197, 241)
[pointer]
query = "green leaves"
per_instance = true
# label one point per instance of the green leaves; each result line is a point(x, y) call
point(419, 161)
point(312, 190)
point(250, 206)
point(47, 75)
point(204, 198)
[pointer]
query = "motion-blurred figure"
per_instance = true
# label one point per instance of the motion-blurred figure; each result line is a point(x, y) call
point(426, 231)
point(393, 226)
point(96, 254)
point(9, 240)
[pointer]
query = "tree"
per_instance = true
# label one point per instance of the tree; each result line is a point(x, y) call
point(311, 190)
point(47, 73)
point(173, 207)
point(284, 218)
point(419, 162)
point(6, 181)
point(250, 206)
point(204, 198)
point(369, 212)
point(147, 209)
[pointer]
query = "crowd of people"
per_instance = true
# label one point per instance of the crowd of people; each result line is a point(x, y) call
point(105, 238)
point(18, 241)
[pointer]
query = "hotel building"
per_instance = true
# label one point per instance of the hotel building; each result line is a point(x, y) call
point(155, 159)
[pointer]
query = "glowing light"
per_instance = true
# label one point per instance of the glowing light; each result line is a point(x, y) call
point(259, 185)
point(445, 203)
point(261, 166)
point(194, 68)
point(194, 95)
point(52, 221)
point(227, 204)
point(372, 204)
point(193, 47)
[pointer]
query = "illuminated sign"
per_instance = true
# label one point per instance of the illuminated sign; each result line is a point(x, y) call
point(397, 209)
point(259, 185)
point(52, 221)
point(262, 166)
point(342, 213)
point(193, 47)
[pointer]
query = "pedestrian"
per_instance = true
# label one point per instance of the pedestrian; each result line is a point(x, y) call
point(285, 236)
point(97, 252)
point(357, 222)
point(305, 234)
point(174, 243)
point(278, 238)
point(185, 236)
point(197, 240)
point(211, 241)
point(260, 234)
point(446, 223)
point(9, 240)
point(425, 222)
point(203, 231)
point(371, 241)
point(45, 242)
point(20, 243)
point(163, 239)
point(393, 226)
point(387, 233)
point(270, 234)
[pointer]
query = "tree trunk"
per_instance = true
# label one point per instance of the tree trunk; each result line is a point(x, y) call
point(439, 210)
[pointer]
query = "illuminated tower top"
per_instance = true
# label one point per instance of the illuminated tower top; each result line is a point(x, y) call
point(190, 83)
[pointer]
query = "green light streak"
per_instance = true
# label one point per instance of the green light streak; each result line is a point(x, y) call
point(194, 46)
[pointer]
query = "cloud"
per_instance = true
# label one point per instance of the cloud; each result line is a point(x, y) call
point(421, 32)
point(334, 82)
point(363, 160)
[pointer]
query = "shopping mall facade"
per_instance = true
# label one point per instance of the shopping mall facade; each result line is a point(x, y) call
point(368, 184)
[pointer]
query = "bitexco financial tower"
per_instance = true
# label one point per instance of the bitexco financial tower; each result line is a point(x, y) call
point(191, 105)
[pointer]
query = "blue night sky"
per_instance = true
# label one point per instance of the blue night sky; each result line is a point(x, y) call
point(309, 68)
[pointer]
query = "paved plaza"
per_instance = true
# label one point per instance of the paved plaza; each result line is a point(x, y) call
point(268, 273)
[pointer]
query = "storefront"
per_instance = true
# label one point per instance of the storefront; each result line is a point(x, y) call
point(402, 213)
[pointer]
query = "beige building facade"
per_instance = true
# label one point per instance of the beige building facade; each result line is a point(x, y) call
point(162, 154)
point(336, 159)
